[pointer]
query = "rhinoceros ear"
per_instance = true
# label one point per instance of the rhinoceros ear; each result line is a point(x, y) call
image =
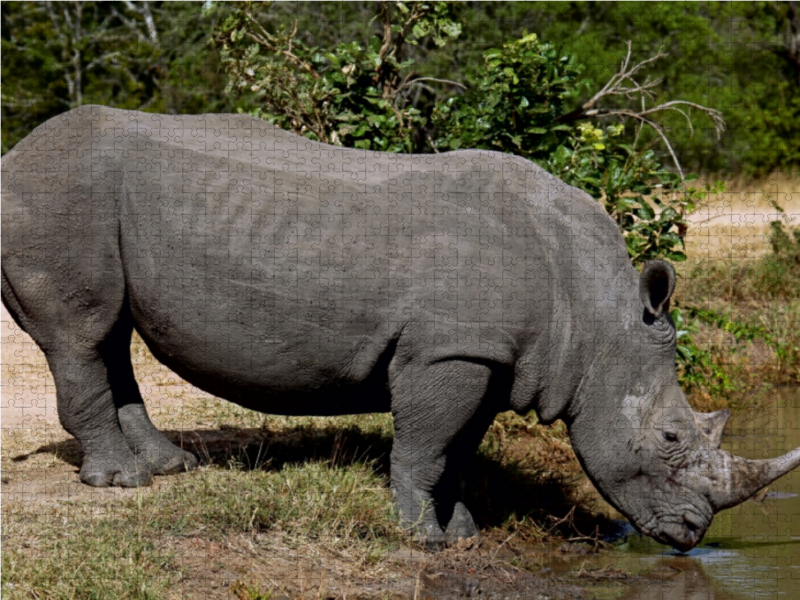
point(655, 287)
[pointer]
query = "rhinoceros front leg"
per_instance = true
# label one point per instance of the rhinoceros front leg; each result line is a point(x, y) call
point(441, 413)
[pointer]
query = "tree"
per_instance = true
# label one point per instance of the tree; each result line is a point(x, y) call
point(356, 95)
point(81, 50)
point(138, 55)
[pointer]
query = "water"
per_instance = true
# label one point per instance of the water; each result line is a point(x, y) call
point(751, 551)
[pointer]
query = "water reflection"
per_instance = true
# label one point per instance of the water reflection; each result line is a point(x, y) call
point(678, 578)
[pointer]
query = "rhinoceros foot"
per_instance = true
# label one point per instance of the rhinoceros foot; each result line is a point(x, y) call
point(110, 473)
point(460, 527)
point(167, 460)
point(461, 524)
point(150, 446)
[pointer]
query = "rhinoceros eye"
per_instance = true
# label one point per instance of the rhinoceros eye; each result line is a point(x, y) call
point(670, 436)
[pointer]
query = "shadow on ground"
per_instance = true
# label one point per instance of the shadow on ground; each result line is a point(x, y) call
point(498, 489)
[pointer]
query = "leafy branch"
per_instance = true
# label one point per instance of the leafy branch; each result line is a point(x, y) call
point(352, 95)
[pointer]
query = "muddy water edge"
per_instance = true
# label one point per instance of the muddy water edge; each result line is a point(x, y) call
point(751, 551)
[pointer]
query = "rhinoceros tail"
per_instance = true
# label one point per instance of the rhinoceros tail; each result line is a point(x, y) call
point(11, 302)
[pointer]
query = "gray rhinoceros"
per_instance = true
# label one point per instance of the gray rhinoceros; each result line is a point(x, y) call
point(297, 278)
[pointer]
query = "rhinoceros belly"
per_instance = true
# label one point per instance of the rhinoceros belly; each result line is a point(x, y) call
point(246, 298)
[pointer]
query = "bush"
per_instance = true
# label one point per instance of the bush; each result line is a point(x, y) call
point(779, 274)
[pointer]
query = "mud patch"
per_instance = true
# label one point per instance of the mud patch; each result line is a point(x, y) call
point(245, 567)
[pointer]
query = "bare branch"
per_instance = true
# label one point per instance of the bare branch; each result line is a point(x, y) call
point(386, 17)
point(431, 144)
point(658, 129)
point(132, 25)
point(614, 85)
point(144, 11)
point(416, 14)
point(265, 39)
point(623, 83)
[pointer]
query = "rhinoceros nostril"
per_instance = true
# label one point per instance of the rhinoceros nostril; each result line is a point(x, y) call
point(693, 532)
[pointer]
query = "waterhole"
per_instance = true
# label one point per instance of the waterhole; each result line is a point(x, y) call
point(751, 551)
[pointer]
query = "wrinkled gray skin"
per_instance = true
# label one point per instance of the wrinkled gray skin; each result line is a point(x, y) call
point(301, 279)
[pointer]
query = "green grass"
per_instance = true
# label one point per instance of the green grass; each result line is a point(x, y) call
point(81, 556)
point(341, 505)
point(322, 482)
point(308, 483)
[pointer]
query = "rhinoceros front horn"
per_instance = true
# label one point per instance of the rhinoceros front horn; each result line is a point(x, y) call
point(737, 478)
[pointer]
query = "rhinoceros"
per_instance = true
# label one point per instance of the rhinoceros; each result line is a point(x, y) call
point(298, 278)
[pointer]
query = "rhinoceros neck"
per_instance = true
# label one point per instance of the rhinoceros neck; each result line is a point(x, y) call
point(589, 298)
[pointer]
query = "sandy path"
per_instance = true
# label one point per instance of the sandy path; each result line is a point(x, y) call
point(736, 223)
point(27, 392)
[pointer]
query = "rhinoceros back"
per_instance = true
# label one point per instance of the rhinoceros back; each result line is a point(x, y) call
point(272, 262)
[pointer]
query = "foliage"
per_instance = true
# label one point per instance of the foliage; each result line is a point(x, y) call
point(58, 55)
point(354, 95)
point(697, 369)
point(780, 273)
point(741, 57)
point(744, 57)
point(517, 104)
point(513, 103)
point(772, 283)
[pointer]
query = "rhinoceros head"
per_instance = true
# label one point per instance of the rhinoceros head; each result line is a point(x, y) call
point(648, 453)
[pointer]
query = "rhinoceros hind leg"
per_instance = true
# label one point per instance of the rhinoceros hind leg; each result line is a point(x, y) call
point(86, 410)
point(150, 446)
point(63, 281)
point(440, 418)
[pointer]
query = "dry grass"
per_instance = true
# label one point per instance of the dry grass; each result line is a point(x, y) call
point(735, 223)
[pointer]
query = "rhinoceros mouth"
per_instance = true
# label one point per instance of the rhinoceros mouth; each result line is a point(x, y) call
point(683, 536)
point(682, 527)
